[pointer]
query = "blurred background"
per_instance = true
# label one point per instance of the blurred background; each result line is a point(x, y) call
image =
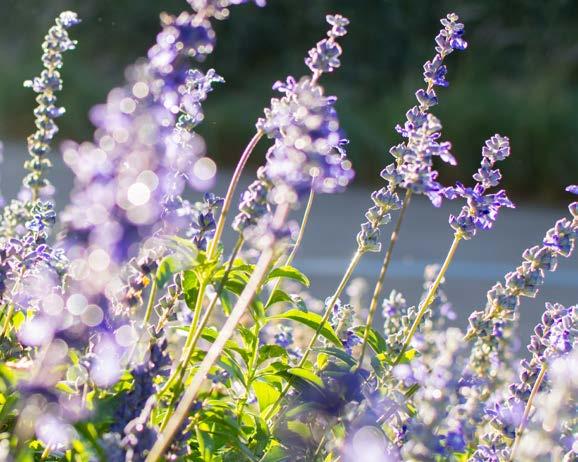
point(519, 77)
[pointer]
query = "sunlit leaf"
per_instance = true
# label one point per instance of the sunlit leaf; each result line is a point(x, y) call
point(312, 320)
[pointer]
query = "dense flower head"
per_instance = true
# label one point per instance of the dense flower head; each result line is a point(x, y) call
point(307, 135)
point(482, 209)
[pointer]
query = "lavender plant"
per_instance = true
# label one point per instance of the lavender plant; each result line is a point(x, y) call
point(134, 334)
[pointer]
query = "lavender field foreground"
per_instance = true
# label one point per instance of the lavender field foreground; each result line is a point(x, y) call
point(160, 312)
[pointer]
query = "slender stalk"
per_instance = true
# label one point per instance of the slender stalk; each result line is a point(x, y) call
point(214, 352)
point(150, 304)
point(430, 297)
point(231, 192)
point(298, 241)
point(6, 325)
point(212, 249)
point(178, 374)
point(328, 309)
point(384, 267)
point(527, 410)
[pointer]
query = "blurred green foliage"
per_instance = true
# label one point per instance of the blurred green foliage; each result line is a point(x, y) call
point(519, 76)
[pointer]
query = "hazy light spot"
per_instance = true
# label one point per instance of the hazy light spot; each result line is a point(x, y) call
point(127, 105)
point(205, 169)
point(98, 260)
point(76, 304)
point(92, 316)
point(140, 90)
point(138, 194)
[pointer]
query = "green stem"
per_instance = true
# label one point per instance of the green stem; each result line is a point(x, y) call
point(251, 371)
point(297, 244)
point(328, 309)
point(527, 410)
point(179, 372)
point(430, 297)
point(214, 352)
point(150, 304)
point(384, 267)
point(211, 251)
point(6, 325)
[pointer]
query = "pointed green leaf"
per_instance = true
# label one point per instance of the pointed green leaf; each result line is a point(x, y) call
point(312, 320)
point(289, 272)
point(374, 339)
point(307, 375)
point(266, 394)
point(279, 296)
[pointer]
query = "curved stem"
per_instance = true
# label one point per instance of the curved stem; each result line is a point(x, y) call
point(214, 352)
point(298, 241)
point(430, 297)
point(527, 410)
point(382, 273)
point(328, 309)
point(231, 192)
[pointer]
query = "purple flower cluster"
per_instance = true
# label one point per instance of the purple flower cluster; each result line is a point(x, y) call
point(129, 180)
point(308, 151)
point(203, 224)
point(342, 320)
point(413, 167)
point(482, 209)
point(555, 336)
point(56, 42)
point(254, 204)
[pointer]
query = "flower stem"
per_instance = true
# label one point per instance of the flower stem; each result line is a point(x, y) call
point(6, 325)
point(383, 272)
point(328, 309)
point(297, 244)
point(527, 409)
point(214, 352)
point(192, 343)
point(429, 298)
point(231, 192)
point(211, 251)
point(150, 304)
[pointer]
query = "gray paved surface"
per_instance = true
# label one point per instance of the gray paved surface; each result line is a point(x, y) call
point(425, 238)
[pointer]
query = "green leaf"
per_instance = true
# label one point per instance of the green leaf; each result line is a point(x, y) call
point(275, 454)
point(271, 351)
point(307, 375)
point(17, 320)
point(408, 356)
point(190, 288)
point(299, 428)
point(279, 296)
point(210, 334)
point(266, 394)
point(337, 353)
point(312, 320)
point(167, 267)
point(289, 272)
point(374, 339)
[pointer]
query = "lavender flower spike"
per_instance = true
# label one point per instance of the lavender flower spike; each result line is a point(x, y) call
point(56, 42)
